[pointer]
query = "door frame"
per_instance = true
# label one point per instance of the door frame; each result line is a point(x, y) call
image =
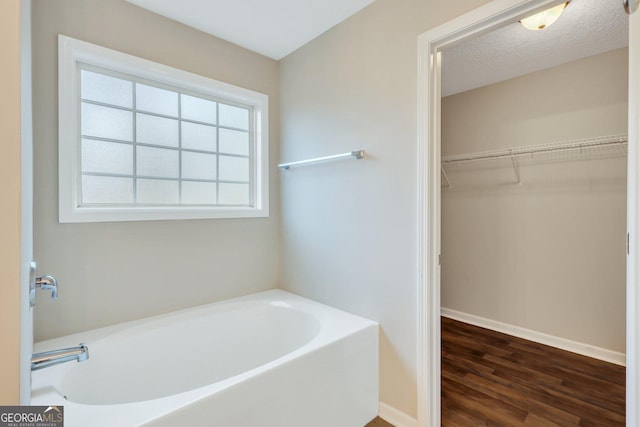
point(26, 202)
point(430, 45)
point(633, 226)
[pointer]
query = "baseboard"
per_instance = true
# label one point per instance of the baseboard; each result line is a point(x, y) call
point(539, 337)
point(395, 417)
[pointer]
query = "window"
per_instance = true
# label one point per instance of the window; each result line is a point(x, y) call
point(143, 141)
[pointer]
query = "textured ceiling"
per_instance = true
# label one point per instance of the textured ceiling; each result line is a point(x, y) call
point(586, 28)
point(273, 28)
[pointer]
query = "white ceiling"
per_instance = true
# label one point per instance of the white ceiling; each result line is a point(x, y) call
point(273, 28)
point(586, 28)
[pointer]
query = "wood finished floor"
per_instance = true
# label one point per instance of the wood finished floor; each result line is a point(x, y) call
point(378, 422)
point(493, 379)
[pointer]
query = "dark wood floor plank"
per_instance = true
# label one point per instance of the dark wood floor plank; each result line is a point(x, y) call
point(544, 393)
point(522, 400)
point(454, 416)
point(573, 361)
point(482, 409)
point(492, 379)
point(560, 360)
point(378, 422)
point(590, 397)
point(533, 420)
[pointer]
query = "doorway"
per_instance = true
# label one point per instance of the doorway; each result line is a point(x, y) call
point(432, 43)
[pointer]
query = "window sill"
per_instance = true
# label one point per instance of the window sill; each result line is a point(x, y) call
point(115, 214)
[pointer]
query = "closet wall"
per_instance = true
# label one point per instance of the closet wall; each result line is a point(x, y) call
point(547, 254)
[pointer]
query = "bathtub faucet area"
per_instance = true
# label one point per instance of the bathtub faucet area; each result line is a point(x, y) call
point(56, 357)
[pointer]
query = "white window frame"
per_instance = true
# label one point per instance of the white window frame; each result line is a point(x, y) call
point(72, 53)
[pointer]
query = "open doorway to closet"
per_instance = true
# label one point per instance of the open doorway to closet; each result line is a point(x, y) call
point(533, 222)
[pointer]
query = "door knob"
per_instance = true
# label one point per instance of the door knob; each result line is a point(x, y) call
point(48, 283)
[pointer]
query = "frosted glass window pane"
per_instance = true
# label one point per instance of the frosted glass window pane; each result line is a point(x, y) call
point(157, 191)
point(234, 168)
point(106, 189)
point(198, 109)
point(198, 193)
point(107, 89)
point(156, 100)
point(107, 157)
point(198, 165)
point(198, 137)
point(105, 122)
point(156, 130)
point(234, 117)
point(157, 162)
point(234, 142)
point(234, 194)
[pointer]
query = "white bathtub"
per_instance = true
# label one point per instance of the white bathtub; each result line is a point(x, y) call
point(271, 359)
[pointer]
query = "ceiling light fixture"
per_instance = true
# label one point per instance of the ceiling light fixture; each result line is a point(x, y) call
point(543, 19)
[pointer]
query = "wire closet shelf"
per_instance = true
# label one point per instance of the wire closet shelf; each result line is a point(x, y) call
point(604, 146)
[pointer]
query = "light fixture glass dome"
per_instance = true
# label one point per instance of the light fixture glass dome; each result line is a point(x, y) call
point(545, 18)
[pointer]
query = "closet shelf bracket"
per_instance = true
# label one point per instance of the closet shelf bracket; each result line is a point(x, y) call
point(446, 178)
point(516, 168)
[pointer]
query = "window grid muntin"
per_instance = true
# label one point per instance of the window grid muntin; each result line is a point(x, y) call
point(251, 183)
point(134, 138)
point(180, 148)
point(218, 157)
point(146, 144)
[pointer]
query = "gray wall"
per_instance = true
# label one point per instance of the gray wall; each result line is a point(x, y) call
point(547, 254)
point(114, 272)
point(349, 228)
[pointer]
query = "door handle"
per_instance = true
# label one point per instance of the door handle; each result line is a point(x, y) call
point(48, 283)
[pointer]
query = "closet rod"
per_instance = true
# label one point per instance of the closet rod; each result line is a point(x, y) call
point(573, 145)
